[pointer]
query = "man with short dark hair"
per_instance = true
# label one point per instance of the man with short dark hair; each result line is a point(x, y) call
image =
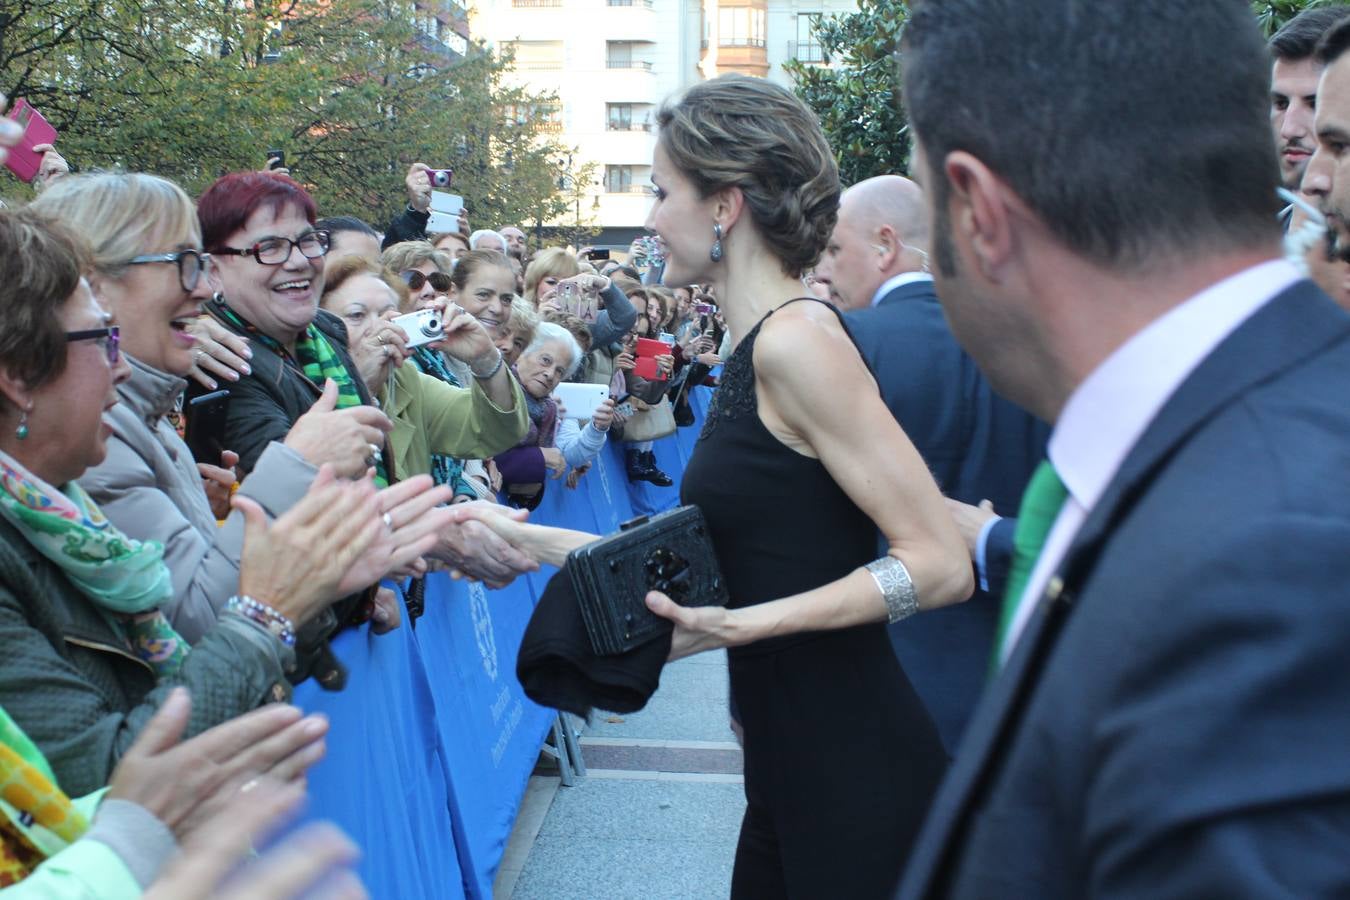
point(1295, 71)
point(1328, 174)
point(1170, 717)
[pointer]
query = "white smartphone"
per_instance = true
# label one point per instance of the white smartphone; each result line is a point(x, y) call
point(666, 338)
point(580, 400)
point(446, 202)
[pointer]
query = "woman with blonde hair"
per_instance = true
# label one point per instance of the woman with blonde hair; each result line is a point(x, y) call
point(554, 265)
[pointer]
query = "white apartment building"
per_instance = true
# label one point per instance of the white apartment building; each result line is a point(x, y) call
point(612, 62)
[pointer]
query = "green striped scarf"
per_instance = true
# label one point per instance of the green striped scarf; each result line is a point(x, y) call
point(319, 361)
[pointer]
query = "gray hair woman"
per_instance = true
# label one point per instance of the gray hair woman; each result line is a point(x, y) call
point(550, 358)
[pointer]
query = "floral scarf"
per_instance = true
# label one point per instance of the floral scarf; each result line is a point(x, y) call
point(30, 797)
point(125, 577)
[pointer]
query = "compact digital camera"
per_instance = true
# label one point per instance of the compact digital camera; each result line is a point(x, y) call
point(441, 177)
point(422, 327)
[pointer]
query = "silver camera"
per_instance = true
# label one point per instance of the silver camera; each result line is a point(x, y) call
point(422, 327)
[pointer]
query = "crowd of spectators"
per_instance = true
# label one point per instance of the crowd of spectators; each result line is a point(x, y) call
point(133, 569)
point(225, 422)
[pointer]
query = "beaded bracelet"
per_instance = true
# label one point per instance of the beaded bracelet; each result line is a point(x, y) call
point(276, 624)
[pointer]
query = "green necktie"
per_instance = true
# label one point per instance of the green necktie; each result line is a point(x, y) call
point(1041, 503)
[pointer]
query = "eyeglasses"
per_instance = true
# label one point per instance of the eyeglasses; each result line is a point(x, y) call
point(439, 281)
point(110, 337)
point(275, 251)
point(192, 264)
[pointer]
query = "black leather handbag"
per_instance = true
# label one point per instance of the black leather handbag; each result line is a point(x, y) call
point(670, 552)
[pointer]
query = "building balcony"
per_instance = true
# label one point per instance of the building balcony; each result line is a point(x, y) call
point(803, 52)
point(628, 126)
point(748, 59)
point(740, 42)
point(643, 4)
point(535, 4)
point(640, 64)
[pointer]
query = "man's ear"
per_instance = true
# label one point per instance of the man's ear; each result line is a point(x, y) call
point(981, 213)
point(888, 247)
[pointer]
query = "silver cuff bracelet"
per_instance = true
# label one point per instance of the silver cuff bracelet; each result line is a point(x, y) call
point(897, 588)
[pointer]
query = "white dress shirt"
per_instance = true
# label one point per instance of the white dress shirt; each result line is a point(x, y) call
point(1106, 414)
point(896, 281)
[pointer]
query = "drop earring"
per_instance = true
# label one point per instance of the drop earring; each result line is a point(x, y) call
point(715, 254)
point(22, 431)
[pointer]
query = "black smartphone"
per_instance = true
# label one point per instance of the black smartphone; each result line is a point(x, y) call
point(276, 159)
point(205, 426)
point(597, 253)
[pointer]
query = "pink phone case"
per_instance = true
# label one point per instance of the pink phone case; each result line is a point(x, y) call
point(23, 161)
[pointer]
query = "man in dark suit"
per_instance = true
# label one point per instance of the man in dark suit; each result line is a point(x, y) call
point(977, 445)
point(1173, 714)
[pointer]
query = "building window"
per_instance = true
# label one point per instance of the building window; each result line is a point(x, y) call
point(628, 117)
point(740, 27)
point(619, 117)
point(619, 55)
point(547, 115)
point(808, 42)
point(536, 56)
point(619, 179)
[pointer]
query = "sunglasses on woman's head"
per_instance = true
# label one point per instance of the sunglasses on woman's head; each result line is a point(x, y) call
point(439, 281)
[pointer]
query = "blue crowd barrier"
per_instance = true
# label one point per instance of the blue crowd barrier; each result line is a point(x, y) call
point(432, 741)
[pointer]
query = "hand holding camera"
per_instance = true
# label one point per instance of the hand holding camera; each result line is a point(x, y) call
point(461, 336)
point(418, 183)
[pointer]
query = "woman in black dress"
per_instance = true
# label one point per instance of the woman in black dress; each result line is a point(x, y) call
point(798, 466)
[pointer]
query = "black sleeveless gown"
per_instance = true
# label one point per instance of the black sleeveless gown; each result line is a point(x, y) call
point(841, 758)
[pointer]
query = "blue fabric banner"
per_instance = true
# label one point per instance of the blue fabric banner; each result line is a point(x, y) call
point(383, 780)
point(433, 740)
point(491, 731)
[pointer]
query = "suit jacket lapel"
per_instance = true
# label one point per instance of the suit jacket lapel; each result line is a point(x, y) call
point(1294, 326)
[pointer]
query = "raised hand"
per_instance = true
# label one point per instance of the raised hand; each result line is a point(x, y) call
point(345, 439)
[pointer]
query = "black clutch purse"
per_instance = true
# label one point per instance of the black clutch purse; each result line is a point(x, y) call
point(669, 552)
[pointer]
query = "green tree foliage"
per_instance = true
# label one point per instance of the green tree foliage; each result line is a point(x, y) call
point(350, 89)
point(857, 97)
point(1273, 14)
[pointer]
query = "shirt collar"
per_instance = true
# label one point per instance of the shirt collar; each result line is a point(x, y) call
point(1106, 414)
point(897, 281)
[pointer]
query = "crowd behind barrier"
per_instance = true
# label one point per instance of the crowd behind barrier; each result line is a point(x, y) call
point(433, 740)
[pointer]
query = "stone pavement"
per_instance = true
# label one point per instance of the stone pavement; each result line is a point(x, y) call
point(658, 812)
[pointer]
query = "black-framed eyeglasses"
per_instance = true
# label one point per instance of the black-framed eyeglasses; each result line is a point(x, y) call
point(275, 251)
point(439, 281)
point(192, 264)
point(110, 336)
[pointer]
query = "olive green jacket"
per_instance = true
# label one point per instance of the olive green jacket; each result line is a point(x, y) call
point(431, 416)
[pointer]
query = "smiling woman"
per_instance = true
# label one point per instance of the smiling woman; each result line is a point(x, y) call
point(89, 650)
point(432, 419)
point(148, 267)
